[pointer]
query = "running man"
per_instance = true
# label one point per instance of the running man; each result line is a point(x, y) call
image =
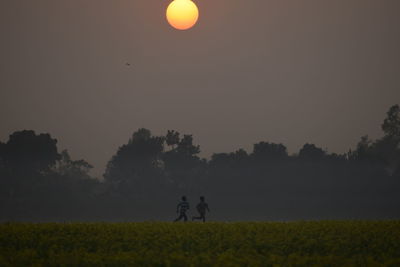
point(182, 207)
point(202, 207)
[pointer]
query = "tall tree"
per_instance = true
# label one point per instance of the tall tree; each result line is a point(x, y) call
point(363, 151)
point(2, 154)
point(182, 165)
point(30, 152)
point(172, 138)
point(391, 125)
point(269, 151)
point(387, 149)
point(311, 152)
point(75, 169)
point(136, 166)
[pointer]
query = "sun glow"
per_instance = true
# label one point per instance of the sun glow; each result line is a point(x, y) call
point(182, 14)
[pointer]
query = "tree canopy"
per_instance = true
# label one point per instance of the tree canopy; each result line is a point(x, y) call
point(148, 173)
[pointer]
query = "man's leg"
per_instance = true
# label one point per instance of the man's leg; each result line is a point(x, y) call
point(184, 217)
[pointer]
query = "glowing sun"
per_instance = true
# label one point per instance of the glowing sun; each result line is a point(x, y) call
point(182, 14)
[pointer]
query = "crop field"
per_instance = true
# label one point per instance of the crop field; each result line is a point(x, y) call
point(325, 243)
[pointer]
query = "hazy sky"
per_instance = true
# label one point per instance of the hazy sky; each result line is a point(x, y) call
point(284, 71)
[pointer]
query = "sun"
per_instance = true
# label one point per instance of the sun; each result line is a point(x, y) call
point(182, 14)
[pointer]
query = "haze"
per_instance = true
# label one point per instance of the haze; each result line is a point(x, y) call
point(281, 71)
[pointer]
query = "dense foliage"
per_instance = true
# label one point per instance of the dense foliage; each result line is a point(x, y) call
point(147, 175)
point(325, 243)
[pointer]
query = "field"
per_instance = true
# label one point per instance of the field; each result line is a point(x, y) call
point(327, 243)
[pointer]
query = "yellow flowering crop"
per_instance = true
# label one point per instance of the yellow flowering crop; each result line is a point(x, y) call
point(325, 243)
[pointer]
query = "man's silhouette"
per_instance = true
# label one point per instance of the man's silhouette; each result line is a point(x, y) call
point(202, 207)
point(182, 207)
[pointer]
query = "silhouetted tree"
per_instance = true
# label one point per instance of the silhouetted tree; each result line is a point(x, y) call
point(2, 155)
point(311, 152)
point(391, 125)
point(269, 151)
point(384, 151)
point(228, 170)
point(142, 179)
point(25, 158)
point(185, 146)
point(135, 169)
point(28, 152)
point(74, 169)
point(4, 187)
point(363, 150)
point(182, 165)
point(232, 160)
point(172, 138)
point(38, 182)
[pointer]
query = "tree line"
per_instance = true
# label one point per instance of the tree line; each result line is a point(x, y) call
point(147, 175)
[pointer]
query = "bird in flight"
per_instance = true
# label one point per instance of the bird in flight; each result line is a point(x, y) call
point(128, 64)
